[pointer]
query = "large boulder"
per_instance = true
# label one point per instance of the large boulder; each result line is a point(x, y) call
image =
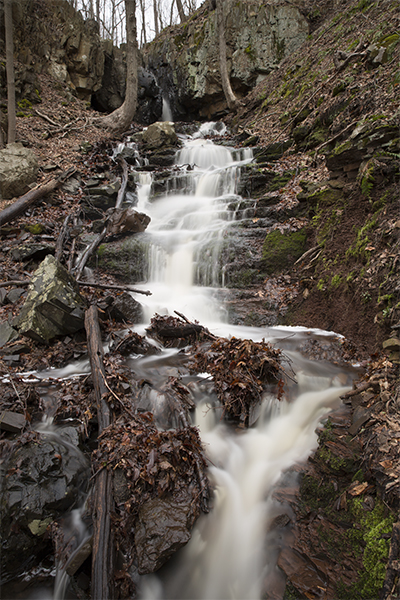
point(18, 169)
point(159, 134)
point(54, 305)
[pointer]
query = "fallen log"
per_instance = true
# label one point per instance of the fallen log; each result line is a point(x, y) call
point(103, 546)
point(121, 288)
point(21, 204)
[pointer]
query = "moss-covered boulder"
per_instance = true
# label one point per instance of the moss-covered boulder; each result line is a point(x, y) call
point(280, 250)
point(126, 260)
point(54, 305)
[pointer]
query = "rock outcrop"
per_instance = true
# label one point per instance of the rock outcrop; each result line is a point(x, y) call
point(185, 58)
point(53, 306)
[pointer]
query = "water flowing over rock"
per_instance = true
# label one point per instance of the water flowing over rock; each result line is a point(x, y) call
point(163, 526)
point(186, 60)
point(18, 169)
point(54, 305)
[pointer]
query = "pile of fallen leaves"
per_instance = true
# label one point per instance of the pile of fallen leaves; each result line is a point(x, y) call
point(240, 370)
point(154, 463)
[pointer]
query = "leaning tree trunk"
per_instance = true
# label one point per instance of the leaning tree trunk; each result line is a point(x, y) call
point(230, 97)
point(120, 119)
point(180, 11)
point(8, 25)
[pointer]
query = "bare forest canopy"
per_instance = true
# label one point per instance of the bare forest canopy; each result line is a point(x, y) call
point(152, 16)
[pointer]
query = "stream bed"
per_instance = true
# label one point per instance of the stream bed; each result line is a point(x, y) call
point(232, 553)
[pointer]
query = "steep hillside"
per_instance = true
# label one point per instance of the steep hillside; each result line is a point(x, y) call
point(333, 107)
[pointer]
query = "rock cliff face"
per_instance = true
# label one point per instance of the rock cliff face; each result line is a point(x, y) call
point(181, 65)
point(185, 58)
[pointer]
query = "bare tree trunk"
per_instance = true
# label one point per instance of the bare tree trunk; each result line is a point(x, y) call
point(120, 119)
point(8, 25)
point(180, 11)
point(143, 39)
point(155, 9)
point(230, 97)
point(171, 12)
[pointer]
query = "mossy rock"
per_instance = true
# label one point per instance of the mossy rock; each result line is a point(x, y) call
point(280, 180)
point(324, 196)
point(272, 151)
point(281, 250)
point(127, 260)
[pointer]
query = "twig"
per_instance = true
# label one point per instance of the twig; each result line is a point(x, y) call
point(46, 118)
point(130, 413)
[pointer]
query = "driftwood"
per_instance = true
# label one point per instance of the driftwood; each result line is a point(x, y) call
point(21, 204)
point(103, 546)
point(121, 288)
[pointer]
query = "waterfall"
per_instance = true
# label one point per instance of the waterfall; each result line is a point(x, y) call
point(230, 555)
point(187, 229)
point(227, 557)
point(166, 111)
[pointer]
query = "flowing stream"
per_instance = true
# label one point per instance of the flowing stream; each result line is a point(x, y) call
point(230, 555)
point(227, 557)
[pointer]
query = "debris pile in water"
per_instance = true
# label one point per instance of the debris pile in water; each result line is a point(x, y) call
point(175, 332)
point(240, 370)
point(160, 471)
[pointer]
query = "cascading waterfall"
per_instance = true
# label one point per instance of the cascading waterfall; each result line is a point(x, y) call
point(227, 556)
point(187, 228)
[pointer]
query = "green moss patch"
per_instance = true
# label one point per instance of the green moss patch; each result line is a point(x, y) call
point(280, 250)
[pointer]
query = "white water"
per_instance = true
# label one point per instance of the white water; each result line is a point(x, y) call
point(227, 557)
point(187, 228)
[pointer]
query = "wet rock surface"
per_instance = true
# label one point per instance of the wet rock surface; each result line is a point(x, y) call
point(163, 526)
point(42, 479)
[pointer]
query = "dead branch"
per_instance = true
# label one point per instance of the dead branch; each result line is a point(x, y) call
point(78, 270)
point(15, 283)
point(121, 288)
point(103, 546)
point(46, 118)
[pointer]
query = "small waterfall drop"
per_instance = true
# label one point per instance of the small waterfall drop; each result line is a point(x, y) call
point(228, 557)
point(187, 229)
point(166, 110)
